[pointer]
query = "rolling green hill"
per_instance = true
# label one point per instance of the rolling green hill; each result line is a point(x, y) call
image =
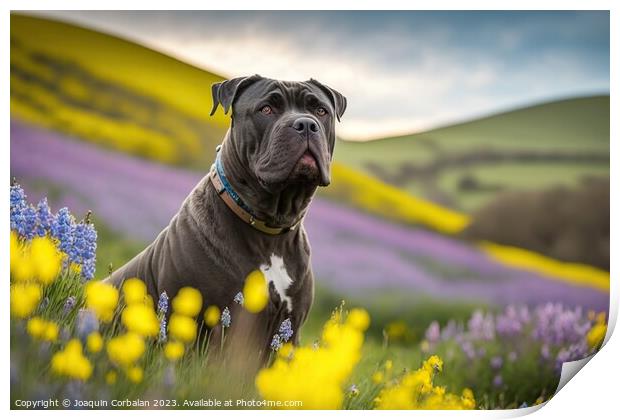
point(465, 165)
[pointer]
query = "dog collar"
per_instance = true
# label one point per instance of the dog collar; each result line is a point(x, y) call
point(234, 202)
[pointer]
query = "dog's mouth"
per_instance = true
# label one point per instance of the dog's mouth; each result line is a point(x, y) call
point(308, 160)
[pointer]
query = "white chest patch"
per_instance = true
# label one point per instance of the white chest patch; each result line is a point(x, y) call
point(275, 272)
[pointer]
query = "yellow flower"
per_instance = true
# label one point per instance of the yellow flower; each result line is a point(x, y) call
point(71, 362)
point(45, 259)
point(134, 291)
point(174, 350)
point(102, 298)
point(126, 349)
point(434, 363)
point(187, 302)
point(255, 292)
point(25, 298)
point(39, 260)
point(36, 327)
point(388, 365)
point(314, 376)
point(377, 377)
point(15, 250)
point(94, 342)
point(359, 318)
point(51, 332)
point(596, 335)
point(182, 328)
point(212, 316)
point(135, 374)
point(141, 319)
point(415, 390)
point(110, 377)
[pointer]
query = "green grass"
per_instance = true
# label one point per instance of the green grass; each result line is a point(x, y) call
point(515, 177)
point(575, 126)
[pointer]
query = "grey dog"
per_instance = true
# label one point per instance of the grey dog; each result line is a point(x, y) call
point(247, 213)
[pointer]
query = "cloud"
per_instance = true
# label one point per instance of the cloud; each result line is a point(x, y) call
point(401, 71)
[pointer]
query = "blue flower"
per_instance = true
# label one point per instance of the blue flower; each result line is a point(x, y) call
point(18, 203)
point(83, 248)
point(276, 342)
point(69, 304)
point(86, 323)
point(29, 222)
point(163, 336)
point(44, 218)
point(286, 330)
point(162, 304)
point(162, 310)
point(239, 298)
point(62, 229)
point(225, 318)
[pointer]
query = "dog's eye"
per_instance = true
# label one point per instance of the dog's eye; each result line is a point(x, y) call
point(321, 112)
point(266, 110)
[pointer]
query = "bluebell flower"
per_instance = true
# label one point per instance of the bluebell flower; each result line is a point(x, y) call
point(524, 405)
point(27, 229)
point(239, 298)
point(225, 318)
point(44, 218)
point(276, 342)
point(162, 304)
point(18, 203)
point(86, 323)
point(69, 304)
point(62, 230)
point(163, 334)
point(286, 330)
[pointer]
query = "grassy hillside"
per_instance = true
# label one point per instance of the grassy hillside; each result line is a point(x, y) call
point(112, 92)
point(465, 165)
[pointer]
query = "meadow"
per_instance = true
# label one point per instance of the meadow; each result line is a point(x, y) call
point(407, 313)
point(76, 338)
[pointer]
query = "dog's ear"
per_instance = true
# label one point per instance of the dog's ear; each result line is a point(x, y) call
point(224, 93)
point(339, 102)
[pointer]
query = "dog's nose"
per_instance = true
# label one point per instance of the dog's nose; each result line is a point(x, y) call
point(305, 125)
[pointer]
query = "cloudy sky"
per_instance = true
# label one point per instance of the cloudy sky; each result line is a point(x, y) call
point(401, 71)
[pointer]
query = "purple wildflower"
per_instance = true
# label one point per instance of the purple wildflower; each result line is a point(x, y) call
point(433, 333)
point(162, 304)
point(545, 352)
point(276, 342)
point(498, 381)
point(286, 330)
point(481, 326)
point(69, 304)
point(512, 356)
point(497, 362)
point(225, 318)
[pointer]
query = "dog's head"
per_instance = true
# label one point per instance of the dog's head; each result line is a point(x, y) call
point(283, 132)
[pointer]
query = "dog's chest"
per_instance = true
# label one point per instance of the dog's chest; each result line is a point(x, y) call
point(276, 273)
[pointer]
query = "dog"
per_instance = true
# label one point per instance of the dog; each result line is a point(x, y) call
point(247, 213)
